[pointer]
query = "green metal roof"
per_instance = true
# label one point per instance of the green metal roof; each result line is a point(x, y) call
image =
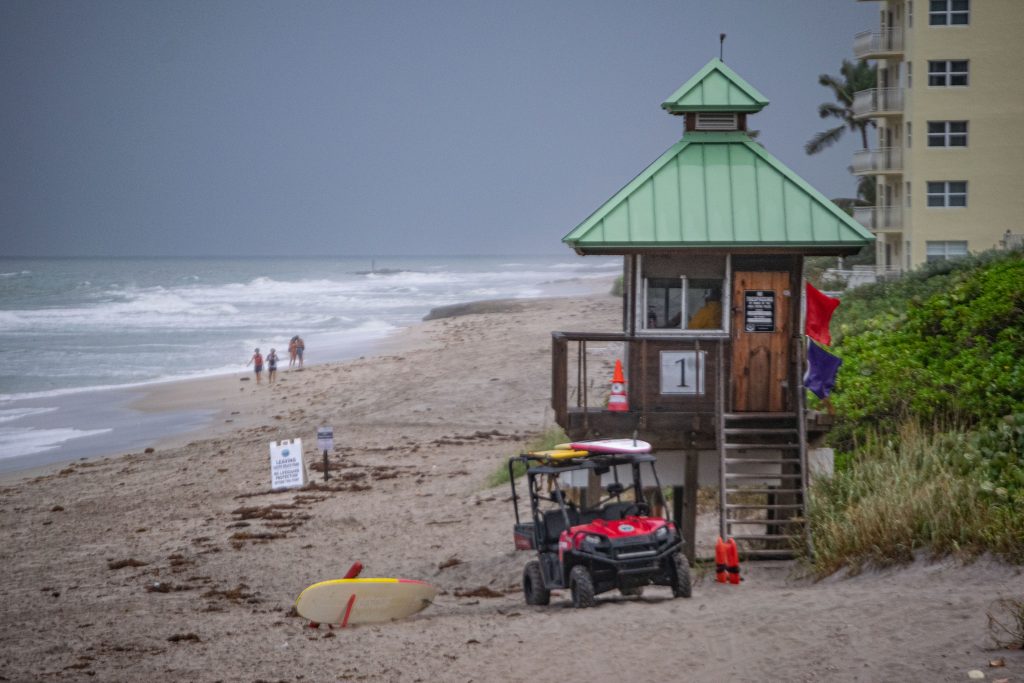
point(716, 87)
point(717, 190)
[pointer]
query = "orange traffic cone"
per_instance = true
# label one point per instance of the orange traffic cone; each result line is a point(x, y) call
point(732, 560)
point(617, 401)
point(720, 553)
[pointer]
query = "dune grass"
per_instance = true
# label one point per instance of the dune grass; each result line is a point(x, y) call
point(903, 493)
point(545, 440)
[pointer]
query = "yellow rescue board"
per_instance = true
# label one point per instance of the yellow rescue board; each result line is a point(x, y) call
point(363, 601)
point(559, 453)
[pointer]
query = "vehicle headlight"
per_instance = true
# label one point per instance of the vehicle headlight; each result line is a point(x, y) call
point(662, 533)
point(593, 540)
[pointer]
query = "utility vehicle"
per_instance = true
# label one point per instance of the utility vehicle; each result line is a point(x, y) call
point(612, 543)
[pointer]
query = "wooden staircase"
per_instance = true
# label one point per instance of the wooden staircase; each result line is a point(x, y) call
point(763, 482)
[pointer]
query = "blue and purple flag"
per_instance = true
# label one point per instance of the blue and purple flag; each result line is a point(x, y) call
point(822, 367)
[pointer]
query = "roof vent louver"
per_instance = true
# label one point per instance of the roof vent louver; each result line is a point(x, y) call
point(716, 121)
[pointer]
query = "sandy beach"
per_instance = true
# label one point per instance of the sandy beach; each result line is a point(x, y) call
point(179, 564)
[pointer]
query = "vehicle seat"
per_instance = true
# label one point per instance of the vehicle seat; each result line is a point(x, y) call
point(620, 510)
point(554, 524)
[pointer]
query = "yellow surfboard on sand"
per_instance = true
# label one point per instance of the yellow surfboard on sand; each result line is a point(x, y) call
point(363, 601)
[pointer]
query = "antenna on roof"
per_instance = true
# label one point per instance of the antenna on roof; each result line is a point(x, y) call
point(721, 44)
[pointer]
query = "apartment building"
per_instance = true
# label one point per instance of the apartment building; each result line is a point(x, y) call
point(949, 106)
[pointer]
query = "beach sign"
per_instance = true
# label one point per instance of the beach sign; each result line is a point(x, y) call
point(325, 438)
point(286, 467)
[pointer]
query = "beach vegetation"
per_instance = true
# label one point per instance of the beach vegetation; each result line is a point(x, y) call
point(617, 287)
point(940, 346)
point(919, 491)
point(1006, 623)
point(929, 427)
point(542, 441)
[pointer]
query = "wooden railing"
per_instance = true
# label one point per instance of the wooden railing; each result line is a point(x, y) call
point(578, 398)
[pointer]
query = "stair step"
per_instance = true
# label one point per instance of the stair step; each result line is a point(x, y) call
point(763, 537)
point(763, 461)
point(759, 431)
point(772, 553)
point(792, 520)
point(761, 475)
point(758, 416)
point(774, 506)
point(729, 490)
point(756, 446)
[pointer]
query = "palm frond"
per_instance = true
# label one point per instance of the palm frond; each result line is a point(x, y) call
point(824, 139)
point(827, 109)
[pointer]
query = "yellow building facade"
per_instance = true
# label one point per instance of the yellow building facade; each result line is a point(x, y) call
point(949, 105)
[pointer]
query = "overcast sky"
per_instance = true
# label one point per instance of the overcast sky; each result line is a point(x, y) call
point(365, 127)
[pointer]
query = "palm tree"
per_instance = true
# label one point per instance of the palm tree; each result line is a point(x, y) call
point(853, 78)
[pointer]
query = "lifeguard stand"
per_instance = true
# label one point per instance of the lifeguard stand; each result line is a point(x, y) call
point(713, 235)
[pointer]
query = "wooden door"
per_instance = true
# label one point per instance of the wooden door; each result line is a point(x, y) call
point(760, 341)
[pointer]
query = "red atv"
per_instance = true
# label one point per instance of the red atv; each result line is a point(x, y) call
point(613, 544)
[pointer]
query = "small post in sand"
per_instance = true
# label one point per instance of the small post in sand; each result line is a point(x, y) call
point(325, 440)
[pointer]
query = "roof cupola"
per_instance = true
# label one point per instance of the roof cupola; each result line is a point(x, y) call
point(715, 99)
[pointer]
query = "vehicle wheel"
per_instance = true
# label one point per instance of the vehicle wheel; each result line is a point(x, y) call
point(634, 592)
point(680, 572)
point(582, 586)
point(533, 585)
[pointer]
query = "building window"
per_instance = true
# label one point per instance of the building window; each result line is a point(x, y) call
point(690, 298)
point(910, 75)
point(908, 134)
point(947, 193)
point(947, 133)
point(908, 194)
point(948, 12)
point(947, 72)
point(910, 13)
point(944, 251)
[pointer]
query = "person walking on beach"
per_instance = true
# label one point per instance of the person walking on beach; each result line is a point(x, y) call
point(292, 353)
point(271, 366)
point(257, 362)
point(300, 347)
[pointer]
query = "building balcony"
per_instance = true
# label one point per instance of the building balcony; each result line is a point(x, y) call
point(878, 102)
point(882, 161)
point(880, 218)
point(864, 275)
point(883, 44)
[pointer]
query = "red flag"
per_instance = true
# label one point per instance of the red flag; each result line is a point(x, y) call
point(819, 313)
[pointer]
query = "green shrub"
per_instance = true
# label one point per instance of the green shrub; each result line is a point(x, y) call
point(543, 441)
point(940, 349)
point(617, 287)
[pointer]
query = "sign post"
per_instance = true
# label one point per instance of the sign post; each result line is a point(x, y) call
point(286, 468)
point(325, 442)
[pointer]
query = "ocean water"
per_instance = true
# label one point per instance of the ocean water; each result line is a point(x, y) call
point(76, 335)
